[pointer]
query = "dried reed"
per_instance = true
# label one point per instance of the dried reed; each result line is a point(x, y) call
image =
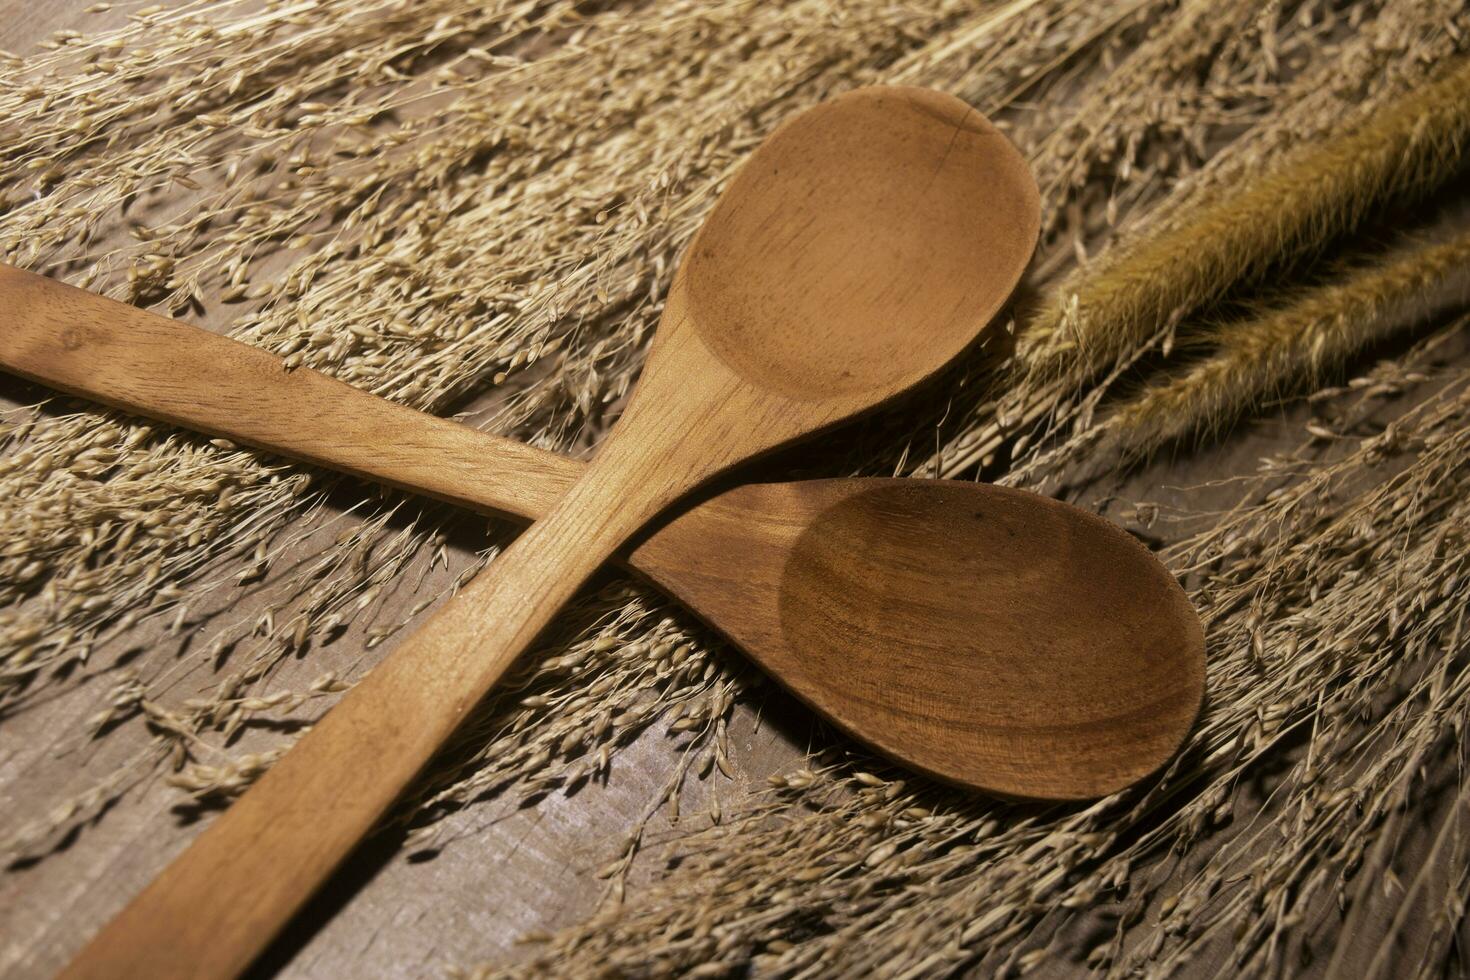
point(1317, 191)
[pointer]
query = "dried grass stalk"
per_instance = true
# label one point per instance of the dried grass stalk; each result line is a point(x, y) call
point(1298, 345)
point(1319, 190)
point(1268, 198)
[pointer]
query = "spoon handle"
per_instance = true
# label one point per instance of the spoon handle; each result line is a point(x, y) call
point(88, 345)
point(217, 907)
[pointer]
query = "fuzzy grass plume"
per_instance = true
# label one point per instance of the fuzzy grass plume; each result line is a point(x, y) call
point(1314, 192)
point(1296, 345)
point(1270, 202)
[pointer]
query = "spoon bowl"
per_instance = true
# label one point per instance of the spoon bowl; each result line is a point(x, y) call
point(993, 638)
point(894, 265)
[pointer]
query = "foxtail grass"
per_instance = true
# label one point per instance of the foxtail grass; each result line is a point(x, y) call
point(1296, 346)
point(1313, 193)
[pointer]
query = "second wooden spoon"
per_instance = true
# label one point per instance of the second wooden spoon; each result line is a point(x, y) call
point(1034, 649)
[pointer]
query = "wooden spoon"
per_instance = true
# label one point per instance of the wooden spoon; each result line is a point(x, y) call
point(1014, 628)
point(878, 208)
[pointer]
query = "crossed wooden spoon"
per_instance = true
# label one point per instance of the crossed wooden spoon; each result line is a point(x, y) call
point(990, 637)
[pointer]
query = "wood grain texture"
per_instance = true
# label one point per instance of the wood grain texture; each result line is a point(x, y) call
point(990, 637)
point(699, 409)
point(995, 639)
point(85, 344)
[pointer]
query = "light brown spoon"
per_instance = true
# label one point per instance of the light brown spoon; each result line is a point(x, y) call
point(114, 353)
point(879, 208)
point(988, 628)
